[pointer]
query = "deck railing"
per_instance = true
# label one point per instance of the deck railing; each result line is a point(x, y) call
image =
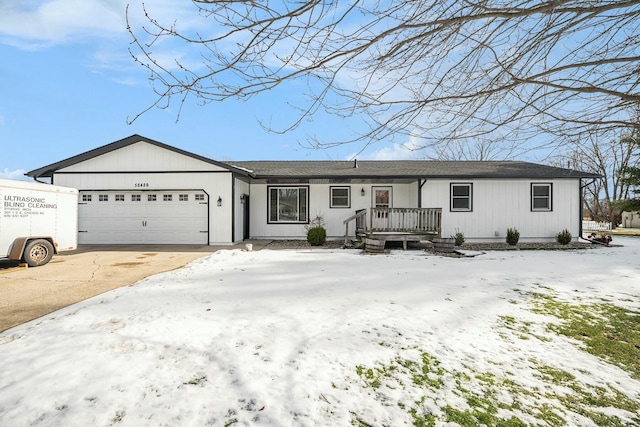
point(405, 220)
point(361, 224)
point(396, 220)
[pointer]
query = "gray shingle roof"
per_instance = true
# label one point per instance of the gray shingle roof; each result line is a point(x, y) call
point(406, 169)
point(366, 169)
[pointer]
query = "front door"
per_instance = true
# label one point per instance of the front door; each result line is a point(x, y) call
point(381, 198)
point(245, 218)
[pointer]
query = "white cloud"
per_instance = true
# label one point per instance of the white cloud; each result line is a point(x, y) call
point(53, 22)
point(16, 174)
point(34, 24)
point(404, 151)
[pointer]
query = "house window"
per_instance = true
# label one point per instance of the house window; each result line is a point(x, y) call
point(288, 204)
point(461, 197)
point(103, 198)
point(119, 197)
point(541, 197)
point(183, 198)
point(86, 197)
point(199, 197)
point(151, 197)
point(167, 197)
point(135, 197)
point(340, 197)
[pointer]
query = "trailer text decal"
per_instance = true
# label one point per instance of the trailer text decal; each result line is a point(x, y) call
point(19, 206)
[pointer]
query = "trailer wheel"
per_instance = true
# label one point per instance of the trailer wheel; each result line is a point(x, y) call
point(38, 252)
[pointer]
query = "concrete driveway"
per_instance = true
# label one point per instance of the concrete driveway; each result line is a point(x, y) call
point(26, 294)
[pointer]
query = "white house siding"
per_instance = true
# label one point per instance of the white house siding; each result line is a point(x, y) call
point(502, 204)
point(143, 157)
point(403, 195)
point(146, 167)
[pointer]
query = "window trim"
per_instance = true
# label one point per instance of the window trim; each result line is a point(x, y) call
point(470, 197)
point(332, 205)
point(549, 197)
point(298, 187)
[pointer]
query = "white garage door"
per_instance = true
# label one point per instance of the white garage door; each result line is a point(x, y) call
point(123, 217)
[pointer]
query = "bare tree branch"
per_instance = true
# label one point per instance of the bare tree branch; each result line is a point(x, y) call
point(441, 69)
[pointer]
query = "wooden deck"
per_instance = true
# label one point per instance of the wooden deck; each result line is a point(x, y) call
point(396, 224)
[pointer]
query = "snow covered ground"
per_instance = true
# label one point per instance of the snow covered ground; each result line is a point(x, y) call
point(297, 337)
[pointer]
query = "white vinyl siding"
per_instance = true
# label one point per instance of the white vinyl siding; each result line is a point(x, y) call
point(499, 204)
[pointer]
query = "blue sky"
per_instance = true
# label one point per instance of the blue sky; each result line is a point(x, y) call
point(68, 85)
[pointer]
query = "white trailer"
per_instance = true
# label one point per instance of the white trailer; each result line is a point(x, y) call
point(37, 220)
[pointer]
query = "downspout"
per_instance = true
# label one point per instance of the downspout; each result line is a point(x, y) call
point(582, 187)
point(35, 178)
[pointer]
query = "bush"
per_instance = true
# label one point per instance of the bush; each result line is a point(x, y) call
point(459, 238)
point(564, 237)
point(316, 236)
point(513, 235)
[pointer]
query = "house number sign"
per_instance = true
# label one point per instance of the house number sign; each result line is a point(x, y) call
point(141, 185)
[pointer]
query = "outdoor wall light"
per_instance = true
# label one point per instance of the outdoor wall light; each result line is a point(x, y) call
point(362, 192)
point(219, 201)
point(242, 197)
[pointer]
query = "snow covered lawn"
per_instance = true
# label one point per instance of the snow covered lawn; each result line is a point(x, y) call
point(332, 338)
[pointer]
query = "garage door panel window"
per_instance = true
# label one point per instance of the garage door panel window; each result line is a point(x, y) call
point(103, 197)
point(541, 197)
point(136, 198)
point(288, 205)
point(167, 197)
point(183, 198)
point(151, 197)
point(119, 197)
point(86, 197)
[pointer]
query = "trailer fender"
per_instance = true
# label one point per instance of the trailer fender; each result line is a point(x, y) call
point(16, 251)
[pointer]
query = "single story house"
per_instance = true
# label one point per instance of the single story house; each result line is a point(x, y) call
point(137, 190)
